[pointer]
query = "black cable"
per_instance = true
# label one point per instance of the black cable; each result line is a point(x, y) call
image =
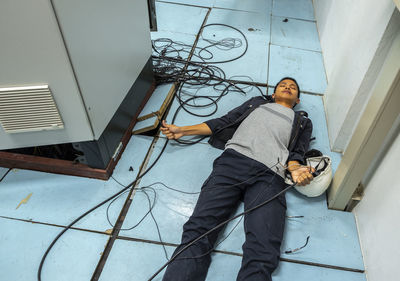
point(151, 206)
point(176, 190)
point(201, 73)
point(298, 249)
point(213, 248)
point(94, 208)
point(5, 174)
point(225, 43)
point(155, 221)
point(195, 76)
point(230, 232)
point(175, 69)
point(109, 205)
point(219, 226)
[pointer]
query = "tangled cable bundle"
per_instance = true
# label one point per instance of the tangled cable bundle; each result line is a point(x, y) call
point(171, 65)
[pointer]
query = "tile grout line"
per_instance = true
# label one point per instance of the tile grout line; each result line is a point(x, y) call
point(341, 268)
point(124, 210)
point(270, 40)
point(300, 19)
point(231, 9)
point(308, 50)
point(235, 10)
point(118, 225)
point(55, 225)
point(184, 4)
point(269, 43)
point(205, 7)
point(125, 238)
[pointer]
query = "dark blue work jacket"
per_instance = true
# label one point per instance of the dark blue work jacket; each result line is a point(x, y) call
point(224, 127)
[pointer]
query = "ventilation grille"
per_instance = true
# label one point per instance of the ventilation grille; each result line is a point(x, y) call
point(28, 109)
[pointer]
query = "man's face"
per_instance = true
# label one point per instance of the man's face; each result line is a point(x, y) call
point(287, 91)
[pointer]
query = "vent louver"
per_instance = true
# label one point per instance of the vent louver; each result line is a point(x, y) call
point(28, 109)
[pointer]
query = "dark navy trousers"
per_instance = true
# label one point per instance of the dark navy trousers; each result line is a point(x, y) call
point(235, 177)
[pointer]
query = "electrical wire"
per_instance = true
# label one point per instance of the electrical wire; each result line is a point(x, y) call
point(169, 66)
point(155, 221)
point(180, 191)
point(219, 226)
point(299, 248)
point(200, 73)
point(151, 206)
point(92, 209)
point(230, 232)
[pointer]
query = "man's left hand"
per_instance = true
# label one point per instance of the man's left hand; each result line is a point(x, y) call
point(302, 175)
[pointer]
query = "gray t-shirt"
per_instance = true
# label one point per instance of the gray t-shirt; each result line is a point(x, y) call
point(264, 135)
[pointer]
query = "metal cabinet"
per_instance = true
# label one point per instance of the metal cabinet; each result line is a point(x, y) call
point(83, 56)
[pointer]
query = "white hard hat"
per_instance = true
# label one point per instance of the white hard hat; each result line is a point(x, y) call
point(322, 177)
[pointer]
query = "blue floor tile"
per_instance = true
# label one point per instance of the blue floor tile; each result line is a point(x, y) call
point(299, 9)
point(263, 6)
point(202, 3)
point(329, 231)
point(333, 238)
point(254, 62)
point(305, 66)
point(176, 169)
point(295, 33)
point(73, 257)
point(333, 234)
point(59, 199)
point(137, 261)
point(186, 167)
point(131, 260)
point(177, 37)
point(132, 156)
point(249, 22)
point(179, 18)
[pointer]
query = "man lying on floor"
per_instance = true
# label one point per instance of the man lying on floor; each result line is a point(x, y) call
point(261, 139)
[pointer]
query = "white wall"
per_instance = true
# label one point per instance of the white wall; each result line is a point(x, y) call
point(378, 219)
point(354, 47)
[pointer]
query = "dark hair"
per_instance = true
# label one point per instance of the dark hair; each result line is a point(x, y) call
point(290, 78)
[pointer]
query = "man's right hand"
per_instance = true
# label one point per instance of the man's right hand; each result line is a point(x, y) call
point(171, 131)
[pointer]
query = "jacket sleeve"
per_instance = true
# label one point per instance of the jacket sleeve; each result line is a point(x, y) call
point(302, 144)
point(230, 117)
